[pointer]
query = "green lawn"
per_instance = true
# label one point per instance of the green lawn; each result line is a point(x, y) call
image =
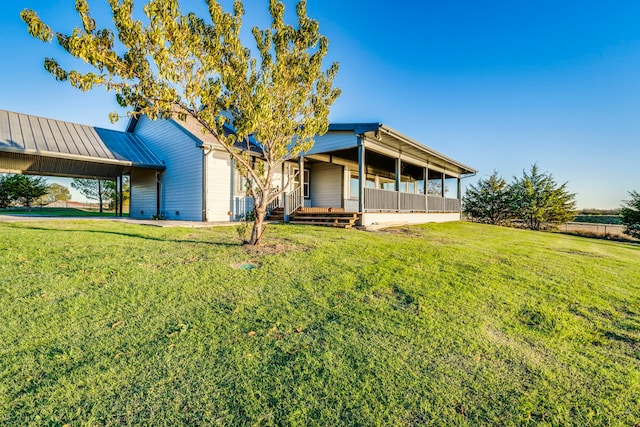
point(64, 212)
point(448, 324)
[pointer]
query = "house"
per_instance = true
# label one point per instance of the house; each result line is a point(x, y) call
point(368, 171)
point(364, 168)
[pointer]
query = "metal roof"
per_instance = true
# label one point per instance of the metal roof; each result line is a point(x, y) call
point(384, 133)
point(63, 148)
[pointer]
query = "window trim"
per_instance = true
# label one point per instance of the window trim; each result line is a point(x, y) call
point(306, 180)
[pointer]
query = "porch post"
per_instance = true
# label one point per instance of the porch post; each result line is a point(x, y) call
point(121, 194)
point(459, 195)
point(117, 196)
point(301, 178)
point(425, 187)
point(442, 186)
point(398, 178)
point(361, 173)
point(283, 195)
point(158, 194)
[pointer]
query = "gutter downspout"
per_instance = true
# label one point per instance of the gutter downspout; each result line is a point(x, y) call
point(158, 192)
point(206, 149)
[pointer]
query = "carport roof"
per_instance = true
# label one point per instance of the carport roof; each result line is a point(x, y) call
point(75, 146)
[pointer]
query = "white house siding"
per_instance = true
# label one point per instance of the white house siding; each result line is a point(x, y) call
point(326, 182)
point(143, 194)
point(181, 196)
point(219, 186)
point(332, 141)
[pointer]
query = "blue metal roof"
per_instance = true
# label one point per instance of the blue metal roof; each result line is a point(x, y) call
point(24, 134)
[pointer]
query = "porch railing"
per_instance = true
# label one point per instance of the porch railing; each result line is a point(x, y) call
point(376, 200)
point(412, 202)
point(451, 205)
point(275, 203)
point(380, 200)
point(435, 203)
point(243, 205)
point(293, 200)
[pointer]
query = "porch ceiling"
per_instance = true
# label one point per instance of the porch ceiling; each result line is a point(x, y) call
point(385, 140)
point(388, 138)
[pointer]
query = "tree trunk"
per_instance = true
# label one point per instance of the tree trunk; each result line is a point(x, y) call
point(258, 226)
point(100, 195)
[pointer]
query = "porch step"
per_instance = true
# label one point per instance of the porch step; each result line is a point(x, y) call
point(314, 210)
point(323, 223)
point(276, 214)
point(325, 218)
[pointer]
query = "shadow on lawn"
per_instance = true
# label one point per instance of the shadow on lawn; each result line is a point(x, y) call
point(22, 226)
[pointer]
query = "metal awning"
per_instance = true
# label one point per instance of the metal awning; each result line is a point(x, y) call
point(40, 146)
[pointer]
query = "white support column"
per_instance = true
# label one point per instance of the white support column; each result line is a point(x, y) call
point(398, 178)
point(459, 195)
point(361, 173)
point(425, 187)
point(301, 178)
point(283, 195)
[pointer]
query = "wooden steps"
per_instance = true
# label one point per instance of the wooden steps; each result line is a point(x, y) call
point(276, 214)
point(324, 217)
point(328, 217)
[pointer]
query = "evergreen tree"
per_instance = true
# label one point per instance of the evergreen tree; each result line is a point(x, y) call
point(179, 65)
point(538, 200)
point(489, 201)
point(630, 215)
point(6, 194)
point(21, 189)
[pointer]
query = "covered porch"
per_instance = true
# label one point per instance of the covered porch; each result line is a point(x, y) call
point(383, 177)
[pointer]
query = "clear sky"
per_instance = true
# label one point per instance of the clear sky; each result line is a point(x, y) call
point(497, 85)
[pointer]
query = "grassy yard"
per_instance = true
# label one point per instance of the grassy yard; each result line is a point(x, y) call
point(448, 324)
point(63, 212)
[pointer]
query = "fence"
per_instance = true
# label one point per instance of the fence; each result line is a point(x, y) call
point(599, 230)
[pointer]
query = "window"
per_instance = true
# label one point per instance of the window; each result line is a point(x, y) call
point(354, 186)
point(387, 184)
point(370, 182)
point(305, 183)
point(242, 185)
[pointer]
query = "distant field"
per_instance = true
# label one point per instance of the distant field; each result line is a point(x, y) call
point(458, 324)
point(45, 211)
point(599, 219)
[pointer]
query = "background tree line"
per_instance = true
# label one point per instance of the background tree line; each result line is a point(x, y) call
point(28, 191)
point(535, 201)
point(21, 189)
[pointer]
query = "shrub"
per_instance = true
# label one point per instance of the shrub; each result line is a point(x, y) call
point(630, 215)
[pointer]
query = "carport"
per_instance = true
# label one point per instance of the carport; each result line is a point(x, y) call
point(34, 145)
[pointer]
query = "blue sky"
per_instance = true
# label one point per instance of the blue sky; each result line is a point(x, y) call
point(498, 85)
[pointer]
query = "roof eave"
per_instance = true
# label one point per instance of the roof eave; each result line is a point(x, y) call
point(412, 142)
point(76, 157)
